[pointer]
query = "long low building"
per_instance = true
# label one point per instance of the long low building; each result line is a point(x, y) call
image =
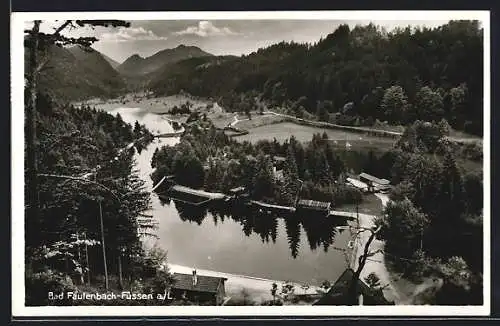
point(375, 183)
point(358, 184)
point(313, 205)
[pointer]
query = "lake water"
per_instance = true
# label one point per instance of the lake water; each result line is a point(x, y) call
point(296, 248)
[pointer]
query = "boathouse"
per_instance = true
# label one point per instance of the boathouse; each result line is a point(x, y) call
point(199, 289)
point(238, 191)
point(314, 206)
point(374, 183)
point(338, 295)
point(238, 194)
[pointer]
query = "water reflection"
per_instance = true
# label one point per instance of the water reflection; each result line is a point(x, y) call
point(188, 212)
point(320, 231)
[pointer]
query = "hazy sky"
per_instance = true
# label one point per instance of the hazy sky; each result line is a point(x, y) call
point(218, 37)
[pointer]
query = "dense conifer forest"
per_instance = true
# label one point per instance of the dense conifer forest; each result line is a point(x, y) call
point(352, 76)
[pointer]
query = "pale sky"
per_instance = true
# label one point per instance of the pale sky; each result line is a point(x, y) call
point(219, 37)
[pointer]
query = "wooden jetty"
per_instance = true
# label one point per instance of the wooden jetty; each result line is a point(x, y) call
point(192, 196)
point(198, 197)
point(348, 215)
point(272, 207)
point(197, 192)
point(289, 209)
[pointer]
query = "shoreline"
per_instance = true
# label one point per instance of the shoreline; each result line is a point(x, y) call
point(159, 104)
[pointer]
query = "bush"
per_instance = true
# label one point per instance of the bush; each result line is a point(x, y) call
point(472, 151)
point(39, 285)
point(337, 194)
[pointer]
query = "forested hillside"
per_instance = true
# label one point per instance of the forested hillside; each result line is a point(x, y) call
point(112, 62)
point(353, 76)
point(77, 73)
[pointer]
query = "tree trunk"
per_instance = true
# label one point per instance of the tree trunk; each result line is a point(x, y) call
point(32, 229)
point(87, 257)
point(103, 248)
point(120, 276)
point(353, 288)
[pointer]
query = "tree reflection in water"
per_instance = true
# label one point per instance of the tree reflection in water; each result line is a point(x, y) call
point(292, 225)
point(188, 212)
point(320, 231)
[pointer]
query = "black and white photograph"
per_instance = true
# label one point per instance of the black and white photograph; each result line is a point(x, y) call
point(246, 163)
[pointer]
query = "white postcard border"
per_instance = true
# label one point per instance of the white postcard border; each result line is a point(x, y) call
point(17, 182)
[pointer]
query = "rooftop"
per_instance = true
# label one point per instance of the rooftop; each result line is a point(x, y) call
point(237, 190)
point(357, 183)
point(203, 283)
point(279, 159)
point(338, 293)
point(374, 179)
point(308, 203)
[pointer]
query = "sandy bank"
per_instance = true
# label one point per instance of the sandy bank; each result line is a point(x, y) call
point(258, 289)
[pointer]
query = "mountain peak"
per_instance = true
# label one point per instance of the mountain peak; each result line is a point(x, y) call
point(136, 65)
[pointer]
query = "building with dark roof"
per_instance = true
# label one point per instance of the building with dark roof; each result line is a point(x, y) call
point(200, 289)
point(237, 191)
point(338, 295)
point(279, 162)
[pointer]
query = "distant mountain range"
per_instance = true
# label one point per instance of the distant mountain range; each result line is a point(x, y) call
point(76, 73)
point(138, 66)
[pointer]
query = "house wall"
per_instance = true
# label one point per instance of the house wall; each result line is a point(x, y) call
point(195, 296)
point(221, 293)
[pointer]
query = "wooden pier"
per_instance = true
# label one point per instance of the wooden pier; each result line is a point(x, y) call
point(192, 196)
point(273, 207)
point(348, 215)
point(197, 192)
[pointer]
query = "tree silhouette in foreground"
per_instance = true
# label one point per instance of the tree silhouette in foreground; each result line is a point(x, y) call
point(38, 43)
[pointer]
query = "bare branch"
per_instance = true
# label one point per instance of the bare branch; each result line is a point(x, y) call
point(103, 23)
point(68, 177)
point(42, 64)
point(60, 28)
